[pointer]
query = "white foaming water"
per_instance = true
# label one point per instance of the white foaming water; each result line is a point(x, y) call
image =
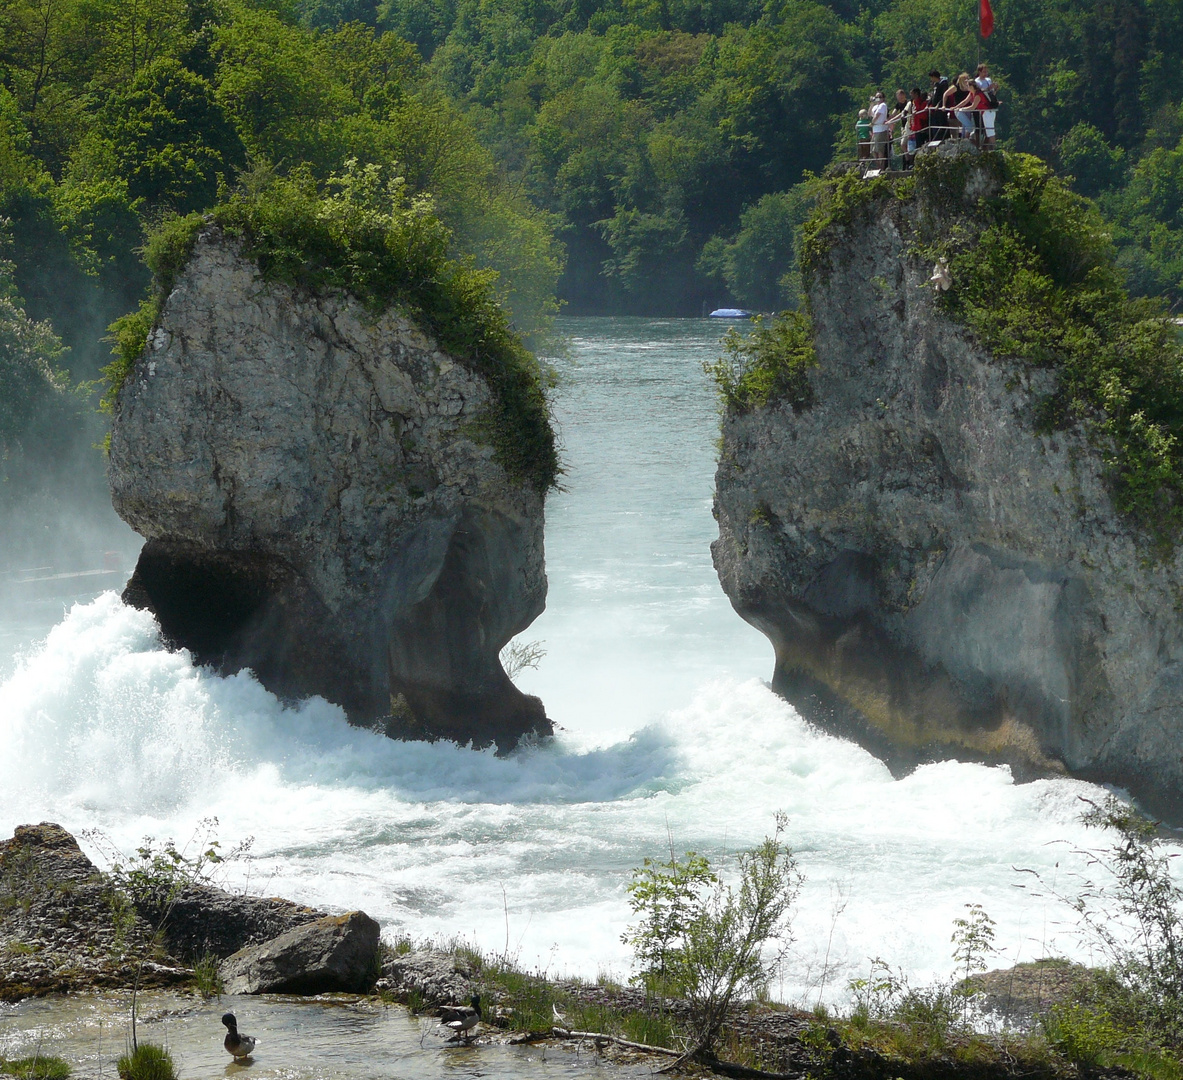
point(669, 732)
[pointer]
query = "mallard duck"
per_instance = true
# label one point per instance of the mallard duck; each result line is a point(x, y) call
point(240, 1046)
point(461, 1019)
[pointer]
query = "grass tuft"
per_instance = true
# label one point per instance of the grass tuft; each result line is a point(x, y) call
point(147, 1062)
point(36, 1068)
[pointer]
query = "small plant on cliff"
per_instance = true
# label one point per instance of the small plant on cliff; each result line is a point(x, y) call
point(769, 366)
point(712, 944)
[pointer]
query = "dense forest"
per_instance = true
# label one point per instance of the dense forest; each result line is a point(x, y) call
point(615, 156)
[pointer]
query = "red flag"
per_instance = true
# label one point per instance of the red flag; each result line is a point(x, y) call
point(986, 18)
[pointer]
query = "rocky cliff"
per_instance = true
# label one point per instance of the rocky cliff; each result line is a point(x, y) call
point(943, 573)
point(321, 505)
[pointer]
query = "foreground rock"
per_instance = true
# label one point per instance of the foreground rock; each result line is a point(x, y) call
point(337, 953)
point(937, 579)
point(429, 976)
point(318, 505)
point(63, 927)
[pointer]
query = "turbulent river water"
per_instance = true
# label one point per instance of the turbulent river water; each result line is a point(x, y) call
point(670, 736)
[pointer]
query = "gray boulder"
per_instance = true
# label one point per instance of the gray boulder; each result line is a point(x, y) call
point(438, 977)
point(335, 954)
point(937, 578)
point(320, 505)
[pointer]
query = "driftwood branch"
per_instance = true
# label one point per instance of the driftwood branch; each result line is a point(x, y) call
point(724, 1068)
point(745, 1072)
point(598, 1036)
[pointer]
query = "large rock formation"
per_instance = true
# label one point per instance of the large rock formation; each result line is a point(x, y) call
point(937, 579)
point(320, 506)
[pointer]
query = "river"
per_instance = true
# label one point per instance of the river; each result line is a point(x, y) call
point(669, 736)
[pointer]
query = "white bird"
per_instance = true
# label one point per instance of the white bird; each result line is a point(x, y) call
point(940, 275)
point(461, 1019)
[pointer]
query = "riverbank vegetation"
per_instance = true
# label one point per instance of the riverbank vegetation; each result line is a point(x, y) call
point(1048, 1018)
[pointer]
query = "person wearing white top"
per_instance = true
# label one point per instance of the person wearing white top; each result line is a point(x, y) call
point(880, 131)
point(986, 84)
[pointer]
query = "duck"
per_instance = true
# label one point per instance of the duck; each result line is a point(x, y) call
point(239, 1046)
point(461, 1019)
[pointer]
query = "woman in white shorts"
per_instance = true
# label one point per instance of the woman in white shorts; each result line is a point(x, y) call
point(986, 85)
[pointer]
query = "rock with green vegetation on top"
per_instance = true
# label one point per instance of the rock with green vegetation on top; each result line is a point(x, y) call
point(329, 496)
point(957, 519)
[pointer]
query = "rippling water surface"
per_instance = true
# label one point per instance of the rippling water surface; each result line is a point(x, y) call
point(298, 1040)
point(669, 735)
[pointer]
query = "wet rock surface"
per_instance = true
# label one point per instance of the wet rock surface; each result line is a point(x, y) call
point(937, 578)
point(320, 506)
point(334, 954)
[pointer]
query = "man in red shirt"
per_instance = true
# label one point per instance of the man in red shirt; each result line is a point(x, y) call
point(918, 123)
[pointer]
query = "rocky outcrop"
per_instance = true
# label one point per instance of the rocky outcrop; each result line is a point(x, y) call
point(64, 926)
point(937, 579)
point(320, 506)
point(335, 954)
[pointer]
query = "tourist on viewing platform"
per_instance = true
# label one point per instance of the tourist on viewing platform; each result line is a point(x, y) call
point(938, 121)
point(898, 121)
point(990, 113)
point(862, 134)
point(973, 107)
point(880, 130)
point(957, 95)
point(917, 124)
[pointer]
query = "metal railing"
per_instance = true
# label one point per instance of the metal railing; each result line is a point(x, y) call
point(942, 125)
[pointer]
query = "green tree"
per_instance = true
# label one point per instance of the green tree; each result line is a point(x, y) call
point(170, 139)
point(707, 941)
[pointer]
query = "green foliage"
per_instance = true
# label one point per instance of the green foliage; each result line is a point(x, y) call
point(973, 938)
point(146, 1062)
point(36, 1068)
point(838, 202)
point(1036, 276)
point(1087, 156)
point(665, 896)
point(759, 265)
point(170, 139)
point(703, 940)
point(206, 979)
point(769, 366)
point(1085, 1036)
point(33, 388)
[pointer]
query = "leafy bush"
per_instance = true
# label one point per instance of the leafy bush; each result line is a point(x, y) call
point(146, 1062)
point(33, 387)
point(769, 366)
point(36, 1068)
point(702, 940)
point(363, 234)
point(1086, 155)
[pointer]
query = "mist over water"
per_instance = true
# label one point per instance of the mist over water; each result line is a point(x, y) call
point(669, 734)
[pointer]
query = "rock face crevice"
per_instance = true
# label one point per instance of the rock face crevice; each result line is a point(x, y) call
point(320, 506)
point(936, 578)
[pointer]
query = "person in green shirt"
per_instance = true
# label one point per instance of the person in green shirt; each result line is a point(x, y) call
point(862, 132)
